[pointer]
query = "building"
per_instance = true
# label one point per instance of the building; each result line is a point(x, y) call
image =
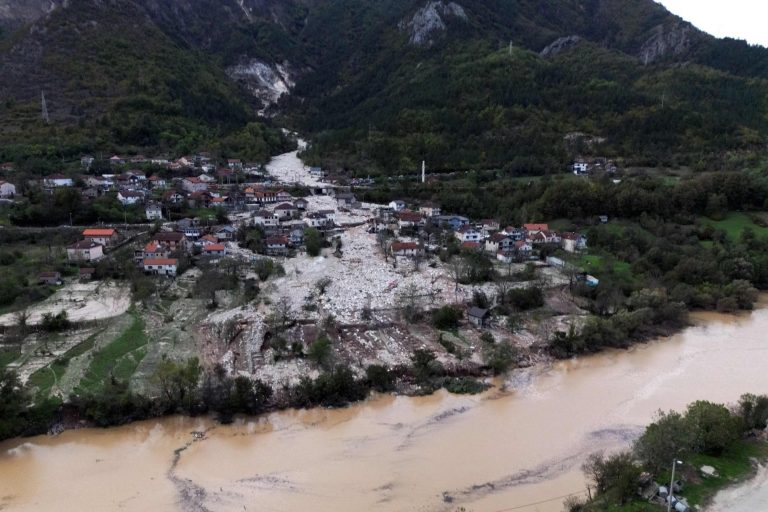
point(106, 237)
point(52, 278)
point(499, 242)
point(572, 242)
point(266, 219)
point(451, 221)
point(301, 203)
point(277, 245)
point(86, 274)
point(157, 182)
point(215, 250)
point(173, 240)
point(397, 205)
point(478, 317)
point(129, 197)
point(408, 219)
point(194, 184)
point(161, 266)
point(7, 190)
point(85, 250)
point(285, 210)
point(406, 249)
point(235, 165)
point(430, 210)
point(580, 167)
point(532, 229)
point(226, 233)
point(346, 199)
point(57, 181)
point(468, 234)
point(154, 211)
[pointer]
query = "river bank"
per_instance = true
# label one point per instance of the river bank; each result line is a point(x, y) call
point(516, 444)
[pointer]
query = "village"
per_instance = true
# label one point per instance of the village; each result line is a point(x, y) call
point(358, 273)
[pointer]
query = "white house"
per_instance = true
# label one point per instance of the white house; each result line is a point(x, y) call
point(161, 266)
point(129, 197)
point(154, 211)
point(85, 250)
point(105, 237)
point(58, 180)
point(7, 190)
point(580, 168)
point(225, 233)
point(468, 234)
point(285, 210)
point(572, 242)
point(194, 184)
point(397, 205)
point(430, 210)
point(215, 250)
point(266, 219)
point(406, 249)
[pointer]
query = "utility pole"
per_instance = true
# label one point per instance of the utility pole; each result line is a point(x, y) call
point(44, 108)
point(423, 171)
point(675, 462)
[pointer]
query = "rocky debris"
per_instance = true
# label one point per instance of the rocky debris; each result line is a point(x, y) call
point(666, 40)
point(429, 22)
point(560, 45)
point(268, 82)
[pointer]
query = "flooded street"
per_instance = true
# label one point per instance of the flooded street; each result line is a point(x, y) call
point(501, 450)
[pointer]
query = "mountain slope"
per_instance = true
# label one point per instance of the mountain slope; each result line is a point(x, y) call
point(381, 85)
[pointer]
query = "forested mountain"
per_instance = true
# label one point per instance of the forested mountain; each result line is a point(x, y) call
point(381, 85)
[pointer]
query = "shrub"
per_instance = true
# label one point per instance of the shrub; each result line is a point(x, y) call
point(526, 298)
point(447, 317)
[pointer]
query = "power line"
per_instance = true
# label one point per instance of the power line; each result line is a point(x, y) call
point(542, 502)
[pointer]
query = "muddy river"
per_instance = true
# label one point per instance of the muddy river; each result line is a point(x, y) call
point(517, 447)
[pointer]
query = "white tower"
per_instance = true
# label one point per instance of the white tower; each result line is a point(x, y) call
point(423, 171)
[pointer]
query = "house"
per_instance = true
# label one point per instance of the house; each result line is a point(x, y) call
point(138, 160)
point(52, 278)
point(277, 245)
point(194, 184)
point(514, 233)
point(406, 249)
point(408, 219)
point(117, 160)
point(57, 181)
point(318, 220)
point(316, 172)
point(285, 210)
point(328, 214)
point(85, 250)
point(154, 211)
point(86, 161)
point(106, 237)
point(346, 199)
point(296, 236)
point(478, 317)
point(173, 197)
point(157, 182)
point(499, 242)
point(175, 241)
point(283, 197)
point(523, 248)
point(266, 219)
point(580, 167)
point(155, 250)
point(430, 210)
point(90, 193)
point(471, 246)
point(572, 242)
point(226, 233)
point(86, 274)
point(129, 197)
point(468, 234)
point(301, 203)
point(7, 190)
point(397, 205)
point(199, 199)
point(215, 250)
point(452, 221)
point(489, 226)
point(161, 266)
point(190, 231)
point(235, 165)
point(532, 229)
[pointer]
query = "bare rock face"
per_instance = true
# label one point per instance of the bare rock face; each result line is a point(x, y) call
point(671, 40)
point(268, 82)
point(429, 22)
point(560, 45)
point(14, 13)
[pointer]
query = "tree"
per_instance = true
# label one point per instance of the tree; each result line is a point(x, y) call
point(753, 411)
point(320, 352)
point(178, 382)
point(313, 240)
point(669, 436)
point(380, 378)
point(446, 318)
point(713, 427)
point(500, 357)
point(614, 477)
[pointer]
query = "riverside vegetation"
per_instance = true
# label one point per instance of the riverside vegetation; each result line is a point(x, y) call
point(705, 434)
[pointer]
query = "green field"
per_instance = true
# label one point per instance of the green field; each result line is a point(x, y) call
point(9, 355)
point(45, 378)
point(119, 358)
point(595, 264)
point(734, 224)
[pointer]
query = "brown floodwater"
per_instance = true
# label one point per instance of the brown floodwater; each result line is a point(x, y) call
point(516, 447)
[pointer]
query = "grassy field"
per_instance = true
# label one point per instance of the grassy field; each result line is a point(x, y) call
point(734, 224)
point(9, 355)
point(45, 378)
point(119, 358)
point(596, 264)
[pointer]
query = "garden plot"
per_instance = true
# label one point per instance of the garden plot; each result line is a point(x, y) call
point(81, 301)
